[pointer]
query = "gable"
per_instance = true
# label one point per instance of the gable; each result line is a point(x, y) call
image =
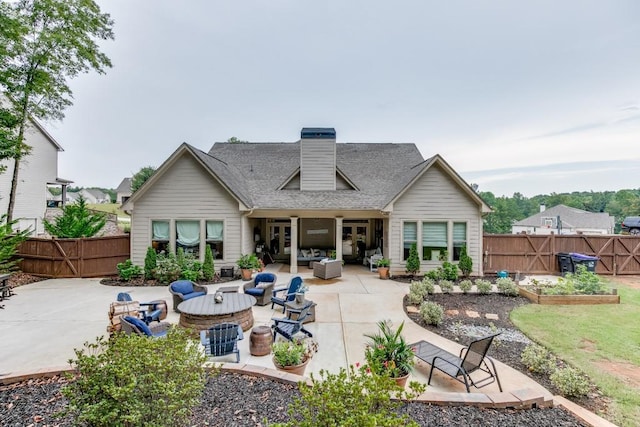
point(342, 183)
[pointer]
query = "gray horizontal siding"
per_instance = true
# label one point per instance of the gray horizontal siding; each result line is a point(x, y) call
point(186, 191)
point(435, 196)
point(318, 164)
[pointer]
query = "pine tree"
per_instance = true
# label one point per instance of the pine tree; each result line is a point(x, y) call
point(76, 221)
point(150, 263)
point(413, 262)
point(466, 263)
point(9, 241)
point(208, 268)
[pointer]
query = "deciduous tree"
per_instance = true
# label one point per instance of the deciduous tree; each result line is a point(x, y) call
point(43, 44)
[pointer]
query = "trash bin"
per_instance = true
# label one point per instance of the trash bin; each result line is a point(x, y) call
point(586, 260)
point(565, 264)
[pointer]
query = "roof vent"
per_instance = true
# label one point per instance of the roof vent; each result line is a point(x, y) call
point(318, 133)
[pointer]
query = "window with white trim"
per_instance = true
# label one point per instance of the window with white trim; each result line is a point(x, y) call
point(215, 238)
point(434, 240)
point(188, 237)
point(409, 237)
point(459, 239)
point(160, 236)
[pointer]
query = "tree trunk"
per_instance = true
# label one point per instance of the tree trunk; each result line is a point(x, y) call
point(16, 168)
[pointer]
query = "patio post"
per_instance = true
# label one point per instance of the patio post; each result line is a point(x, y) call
point(294, 245)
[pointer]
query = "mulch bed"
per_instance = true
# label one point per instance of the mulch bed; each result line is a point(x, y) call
point(141, 281)
point(242, 400)
point(458, 326)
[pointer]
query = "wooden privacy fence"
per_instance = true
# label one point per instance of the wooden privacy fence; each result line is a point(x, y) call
point(57, 258)
point(533, 254)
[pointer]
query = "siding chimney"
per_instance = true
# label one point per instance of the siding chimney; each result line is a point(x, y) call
point(317, 159)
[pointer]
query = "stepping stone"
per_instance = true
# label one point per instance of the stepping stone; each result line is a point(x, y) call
point(491, 316)
point(472, 314)
point(413, 309)
point(451, 312)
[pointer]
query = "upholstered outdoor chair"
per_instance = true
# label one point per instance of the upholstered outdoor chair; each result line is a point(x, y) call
point(261, 287)
point(222, 339)
point(183, 290)
point(283, 294)
point(328, 269)
point(133, 325)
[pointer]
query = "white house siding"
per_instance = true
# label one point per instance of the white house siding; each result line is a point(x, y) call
point(36, 170)
point(435, 196)
point(318, 164)
point(186, 192)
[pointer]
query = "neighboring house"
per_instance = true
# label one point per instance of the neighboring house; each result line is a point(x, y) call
point(311, 194)
point(123, 192)
point(37, 171)
point(95, 196)
point(563, 219)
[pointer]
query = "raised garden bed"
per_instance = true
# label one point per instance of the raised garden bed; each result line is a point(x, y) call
point(536, 297)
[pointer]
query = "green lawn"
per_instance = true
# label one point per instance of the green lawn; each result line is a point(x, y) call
point(592, 337)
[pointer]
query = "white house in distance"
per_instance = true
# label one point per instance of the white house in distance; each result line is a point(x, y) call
point(310, 196)
point(37, 171)
point(563, 219)
point(95, 196)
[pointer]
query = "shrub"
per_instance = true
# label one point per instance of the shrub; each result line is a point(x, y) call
point(484, 286)
point(134, 380)
point(350, 398)
point(417, 292)
point(432, 313)
point(429, 285)
point(466, 263)
point(434, 275)
point(167, 268)
point(127, 270)
point(76, 221)
point(413, 262)
point(561, 287)
point(585, 281)
point(208, 268)
point(180, 257)
point(465, 285)
point(507, 286)
point(449, 271)
point(570, 382)
point(537, 359)
point(191, 268)
point(9, 242)
point(150, 261)
point(446, 286)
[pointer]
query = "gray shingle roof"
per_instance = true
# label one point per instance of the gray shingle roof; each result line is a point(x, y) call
point(125, 186)
point(571, 218)
point(255, 171)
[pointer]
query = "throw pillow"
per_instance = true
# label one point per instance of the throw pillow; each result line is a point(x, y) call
point(305, 253)
point(263, 285)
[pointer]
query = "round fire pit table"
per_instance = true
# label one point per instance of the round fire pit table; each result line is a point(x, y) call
point(203, 312)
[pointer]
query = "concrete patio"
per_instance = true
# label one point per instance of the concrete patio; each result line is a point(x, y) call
point(45, 321)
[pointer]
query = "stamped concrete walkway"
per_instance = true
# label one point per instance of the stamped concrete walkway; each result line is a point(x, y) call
point(44, 322)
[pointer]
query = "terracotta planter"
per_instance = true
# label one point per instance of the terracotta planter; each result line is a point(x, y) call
point(383, 272)
point(297, 369)
point(402, 381)
point(245, 273)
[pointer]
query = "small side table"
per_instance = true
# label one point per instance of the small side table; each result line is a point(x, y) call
point(260, 341)
point(294, 309)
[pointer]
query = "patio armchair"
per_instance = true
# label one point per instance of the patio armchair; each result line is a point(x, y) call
point(261, 287)
point(183, 290)
point(288, 327)
point(222, 339)
point(151, 311)
point(471, 359)
point(287, 293)
point(133, 325)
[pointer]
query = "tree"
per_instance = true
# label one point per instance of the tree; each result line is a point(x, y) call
point(44, 43)
point(9, 241)
point(413, 262)
point(76, 221)
point(141, 177)
point(234, 140)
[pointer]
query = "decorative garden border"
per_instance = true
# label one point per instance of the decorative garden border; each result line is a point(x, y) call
point(538, 298)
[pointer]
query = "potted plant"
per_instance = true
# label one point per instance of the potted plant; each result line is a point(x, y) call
point(293, 356)
point(247, 263)
point(383, 267)
point(300, 292)
point(387, 353)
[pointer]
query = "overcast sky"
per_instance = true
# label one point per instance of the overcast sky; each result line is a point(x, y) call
point(532, 97)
